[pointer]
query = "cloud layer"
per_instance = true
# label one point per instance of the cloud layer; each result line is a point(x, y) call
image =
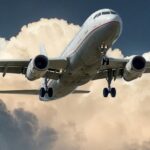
point(81, 122)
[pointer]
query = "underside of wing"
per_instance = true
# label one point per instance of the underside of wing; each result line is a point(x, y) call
point(21, 66)
point(129, 69)
point(116, 65)
point(57, 63)
point(13, 66)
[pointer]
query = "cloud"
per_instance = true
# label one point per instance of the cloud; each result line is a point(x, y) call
point(20, 130)
point(76, 121)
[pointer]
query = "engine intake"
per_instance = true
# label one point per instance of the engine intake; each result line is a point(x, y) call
point(37, 67)
point(139, 62)
point(40, 62)
point(134, 68)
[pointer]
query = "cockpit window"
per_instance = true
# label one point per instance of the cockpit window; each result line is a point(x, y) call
point(97, 15)
point(112, 12)
point(105, 13)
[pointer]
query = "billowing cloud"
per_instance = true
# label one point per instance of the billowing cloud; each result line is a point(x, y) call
point(20, 130)
point(77, 122)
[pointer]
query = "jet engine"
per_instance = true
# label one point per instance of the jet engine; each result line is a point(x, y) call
point(37, 67)
point(134, 68)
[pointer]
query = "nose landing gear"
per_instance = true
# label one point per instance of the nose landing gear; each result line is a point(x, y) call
point(109, 90)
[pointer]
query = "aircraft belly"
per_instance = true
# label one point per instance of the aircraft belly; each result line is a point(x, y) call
point(60, 88)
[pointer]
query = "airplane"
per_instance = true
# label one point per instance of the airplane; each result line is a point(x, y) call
point(84, 59)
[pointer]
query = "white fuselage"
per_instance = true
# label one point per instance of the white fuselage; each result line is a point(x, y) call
point(85, 51)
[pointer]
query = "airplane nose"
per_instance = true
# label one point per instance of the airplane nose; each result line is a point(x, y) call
point(116, 18)
point(112, 30)
point(116, 23)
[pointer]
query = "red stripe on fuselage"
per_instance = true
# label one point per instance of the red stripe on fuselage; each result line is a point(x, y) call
point(90, 34)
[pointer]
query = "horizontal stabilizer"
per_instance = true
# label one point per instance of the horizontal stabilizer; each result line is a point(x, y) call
point(24, 92)
point(80, 92)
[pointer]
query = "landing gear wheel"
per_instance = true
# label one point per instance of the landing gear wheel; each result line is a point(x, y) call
point(113, 92)
point(105, 92)
point(109, 90)
point(50, 92)
point(42, 92)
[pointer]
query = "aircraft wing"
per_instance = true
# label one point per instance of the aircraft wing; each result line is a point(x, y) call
point(20, 66)
point(118, 66)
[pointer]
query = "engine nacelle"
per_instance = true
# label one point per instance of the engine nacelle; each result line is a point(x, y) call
point(37, 67)
point(134, 68)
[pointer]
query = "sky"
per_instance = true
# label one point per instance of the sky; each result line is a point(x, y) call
point(74, 122)
point(135, 15)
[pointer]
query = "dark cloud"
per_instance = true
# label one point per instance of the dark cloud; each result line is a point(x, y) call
point(20, 130)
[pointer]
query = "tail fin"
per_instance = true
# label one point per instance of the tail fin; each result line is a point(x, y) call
point(43, 50)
